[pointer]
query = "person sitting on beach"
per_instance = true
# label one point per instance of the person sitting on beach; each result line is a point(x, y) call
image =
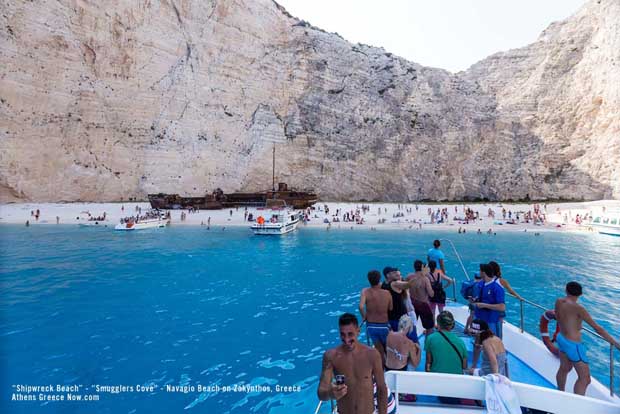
point(570, 315)
point(445, 352)
point(491, 300)
point(437, 277)
point(400, 350)
point(494, 356)
point(357, 366)
point(420, 292)
point(375, 303)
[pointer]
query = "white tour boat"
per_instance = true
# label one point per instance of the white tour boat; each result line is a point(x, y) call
point(152, 219)
point(532, 368)
point(532, 377)
point(280, 221)
point(607, 223)
point(85, 219)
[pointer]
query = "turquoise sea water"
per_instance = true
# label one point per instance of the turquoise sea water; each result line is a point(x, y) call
point(187, 306)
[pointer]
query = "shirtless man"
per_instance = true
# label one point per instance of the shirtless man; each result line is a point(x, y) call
point(360, 365)
point(570, 315)
point(420, 291)
point(375, 304)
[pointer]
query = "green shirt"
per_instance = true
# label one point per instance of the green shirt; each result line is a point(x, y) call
point(444, 358)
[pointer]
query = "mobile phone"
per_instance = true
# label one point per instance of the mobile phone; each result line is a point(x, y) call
point(339, 379)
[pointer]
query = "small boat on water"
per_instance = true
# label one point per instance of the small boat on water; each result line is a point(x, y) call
point(280, 221)
point(85, 219)
point(152, 219)
point(607, 223)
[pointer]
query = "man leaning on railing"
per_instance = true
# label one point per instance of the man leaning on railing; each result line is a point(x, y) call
point(570, 316)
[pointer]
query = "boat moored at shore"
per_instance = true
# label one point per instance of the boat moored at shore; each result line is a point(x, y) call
point(152, 219)
point(280, 221)
point(607, 223)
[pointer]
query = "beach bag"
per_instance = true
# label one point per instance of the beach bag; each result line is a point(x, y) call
point(439, 294)
point(467, 288)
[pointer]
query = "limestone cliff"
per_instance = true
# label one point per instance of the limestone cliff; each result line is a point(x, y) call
point(103, 103)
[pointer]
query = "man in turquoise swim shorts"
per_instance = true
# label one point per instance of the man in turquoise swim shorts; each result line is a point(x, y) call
point(570, 315)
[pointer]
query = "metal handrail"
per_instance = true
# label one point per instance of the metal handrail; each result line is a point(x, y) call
point(536, 305)
point(529, 302)
point(595, 334)
point(458, 257)
point(318, 407)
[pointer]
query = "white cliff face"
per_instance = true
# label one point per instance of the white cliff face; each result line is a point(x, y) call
point(100, 104)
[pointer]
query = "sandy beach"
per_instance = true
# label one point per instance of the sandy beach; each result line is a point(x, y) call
point(410, 216)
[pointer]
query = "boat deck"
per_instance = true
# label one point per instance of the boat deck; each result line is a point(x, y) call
point(519, 372)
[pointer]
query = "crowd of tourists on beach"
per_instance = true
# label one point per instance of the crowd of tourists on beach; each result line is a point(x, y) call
point(353, 373)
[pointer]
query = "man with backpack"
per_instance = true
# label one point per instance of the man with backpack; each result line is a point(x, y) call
point(471, 289)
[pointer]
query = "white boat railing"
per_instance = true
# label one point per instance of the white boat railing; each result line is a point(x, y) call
point(471, 387)
point(588, 330)
point(523, 301)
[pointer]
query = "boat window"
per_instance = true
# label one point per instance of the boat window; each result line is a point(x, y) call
point(606, 220)
point(597, 220)
point(614, 221)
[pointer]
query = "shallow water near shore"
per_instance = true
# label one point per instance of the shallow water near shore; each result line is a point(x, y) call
point(189, 306)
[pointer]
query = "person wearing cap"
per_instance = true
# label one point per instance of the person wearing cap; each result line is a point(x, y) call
point(491, 302)
point(445, 352)
point(494, 357)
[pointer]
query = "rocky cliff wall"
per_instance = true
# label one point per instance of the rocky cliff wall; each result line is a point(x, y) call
point(145, 96)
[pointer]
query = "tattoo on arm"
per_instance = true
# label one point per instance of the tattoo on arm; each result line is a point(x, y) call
point(327, 373)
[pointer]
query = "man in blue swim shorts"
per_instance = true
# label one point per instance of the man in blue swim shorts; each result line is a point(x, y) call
point(375, 304)
point(570, 315)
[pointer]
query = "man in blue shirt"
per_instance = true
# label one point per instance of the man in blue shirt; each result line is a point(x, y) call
point(436, 255)
point(491, 300)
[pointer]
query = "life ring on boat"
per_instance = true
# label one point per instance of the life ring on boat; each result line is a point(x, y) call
point(129, 224)
point(544, 331)
point(260, 220)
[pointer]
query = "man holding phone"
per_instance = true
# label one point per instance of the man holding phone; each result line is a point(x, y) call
point(353, 387)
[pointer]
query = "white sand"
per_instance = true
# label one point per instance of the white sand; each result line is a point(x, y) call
point(555, 212)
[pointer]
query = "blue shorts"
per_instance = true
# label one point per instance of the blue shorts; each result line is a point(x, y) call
point(413, 335)
point(574, 351)
point(496, 328)
point(377, 332)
